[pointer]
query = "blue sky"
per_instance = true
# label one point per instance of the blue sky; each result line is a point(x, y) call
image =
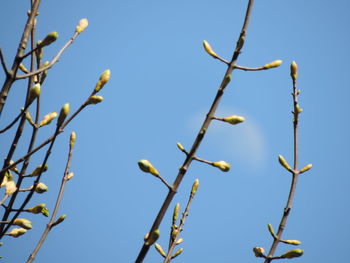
point(161, 87)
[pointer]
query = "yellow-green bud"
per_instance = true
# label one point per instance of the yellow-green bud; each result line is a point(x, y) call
point(174, 233)
point(59, 220)
point(103, 80)
point(83, 23)
point(94, 100)
point(72, 139)
point(272, 232)
point(48, 118)
point(177, 253)
point(49, 39)
point(29, 118)
point(294, 253)
point(209, 50)
point(234, 119)
point(273, 64)
point(63, 114)
point(36, 209)
point(22, 222)
point(23, 68)
point(259, 252)
point(179, 145)
point(147, 167)
point(306, 168)
point(39, 169)
point(10, 187)
point(45, 212)
point(222, 165)
point(176, 212)
point(291, 242)
point(195, 187)
point(16, 232)
point(160, 249)
point(297, 107)
point(34, 93)
point(179, 241)
point(284, 163)
point(294, 70)
point(41, 188)
point(152, 238)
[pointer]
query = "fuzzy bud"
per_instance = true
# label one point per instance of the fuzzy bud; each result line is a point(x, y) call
point(291, 242)
point(59, 220)
point(195, 187)
point(160, 250)
point(259, 252)
point(72, 139)
point(70, 176)
point(177, 253)
point(272, 232)
point(147, 167)
point(41, 188)
point(38, 170)
point(152, 238)
point(10, 187)
point(83, 23)
point(48, 40)
point(222, 165)
point(48, 118)
point(34, 93)
point(22, 222)
point(176, 212)
point(273, 64)
point(305, 168)
point(23, 68)
point(103, 80)
point(179, 145)
point(179, 241)
point(16, 232)
point(94, 100)
point(63, 114)
point(294, 253)
point(234, 119)
point(29, 118)
point(294, 70)
point(284, 163)
point(209, 50)
point(36, 209)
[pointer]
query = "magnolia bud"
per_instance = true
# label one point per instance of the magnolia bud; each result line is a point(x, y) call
point(72, 139)
point(83, 23)
point(179, 241)
point(49, 39)
point(152, 238)
point(39, 169)
point(48, 118)
point(10, 187)
point(291, 242)
point(209, 50)
point(306, 168)
point(63, 114)
point(179, 145)
point(41, 188)
point(16, 232)
point(284, 163)
point(23, 68)
point(29, 118)
point(177, 253)
point(259, 252)
point(273, 64)
point(94, 100)
point(222, 165)
point(234, 119)
point(34, 93)
point(160, 249)
point(22, 222)
point(147, 167)
point(294, 70)
point(36, 209)
point(59, 220)
point(103, 80)
point(176, 212)
point(272, 232)
point(294, 253)
point(195, 187)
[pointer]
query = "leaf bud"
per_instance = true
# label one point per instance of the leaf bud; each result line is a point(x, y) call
point(272, 232)
point(291, 242)
point(34, 93)
point(273, 64)
point(36, 209)
point(209, 50)
point(179, 145)
point(294, 70)
point(179, 241)
point(38, 170)
point(234, 119)
point(305, 168)
point(259, 252)
point(152, 238)
point(294, 253)
point(147, 167)
point(23, 68)
point(72, 139)
point(48, 40)
point(22, 222)
point(178, 252)
point(103, 80)
point(176, 212)
point(16, 232)
point(29, 118)
point(195, 187)
point(10, 187)
point(41, 188)
point(284, 163)
point(222, 165)
point(48, 118)
point(83, 23)
point(63, 114)
point(160, 250)
point(59, 220)
point(94, 100)
point(174, 233)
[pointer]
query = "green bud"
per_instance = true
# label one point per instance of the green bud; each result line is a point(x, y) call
point(195, 187)
point(63, 114)
point(284, 163)
point(273, 64)
point(41, 188)
point(39, 169)
point(291, 242)
point(177, 253)
point(49, 39)
point(294, 70)
point(209, 50)
point(294, 253)
point(16, 232)
point(94, 100)
point(103, 80)
point(147, 167)
point(160, 250)
point(152, 238)
point(176, 212)
point(222, 165)
point(305, 168)
point(22, 222)
point(59, 220)
point(48, 118)
point(34, 92)
point(72, 139)
point(234, 119)
point(179, 145)
point(272, 232)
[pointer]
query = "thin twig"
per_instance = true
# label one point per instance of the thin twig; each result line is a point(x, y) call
point(295, 174)
point(3, 63)
point(145, 248)
point(54, 213)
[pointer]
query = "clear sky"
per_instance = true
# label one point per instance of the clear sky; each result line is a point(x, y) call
point(161, 87)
